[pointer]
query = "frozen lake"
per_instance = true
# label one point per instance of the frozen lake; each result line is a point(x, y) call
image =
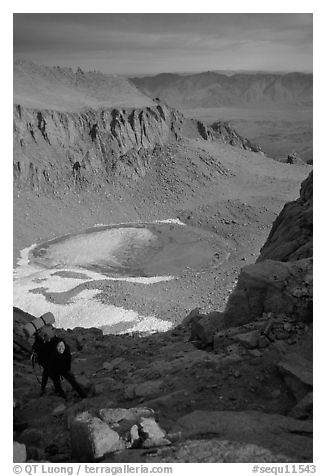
point(62, 275)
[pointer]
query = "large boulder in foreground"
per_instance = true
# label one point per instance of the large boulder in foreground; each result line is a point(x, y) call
point(272, 286)
point(291, 236)
point(19, 453)
point(91, 438)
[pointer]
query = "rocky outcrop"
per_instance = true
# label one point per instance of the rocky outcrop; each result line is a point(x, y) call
point(204, 327)
point(55, 148)
point(272, 286)
point(271, 307)
point(48, 143)
point(228, 135)
point(87, 128)
point(282, 279)
point(291, 236)
point(294, 159)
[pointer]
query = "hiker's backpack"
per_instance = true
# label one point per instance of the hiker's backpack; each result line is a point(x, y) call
point(32, 327)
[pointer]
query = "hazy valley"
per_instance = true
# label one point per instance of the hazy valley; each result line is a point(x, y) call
point(272, 110)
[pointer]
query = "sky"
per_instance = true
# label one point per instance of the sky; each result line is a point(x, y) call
point(154, 43)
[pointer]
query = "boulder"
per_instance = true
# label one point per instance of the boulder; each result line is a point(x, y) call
point(19, 453)
point(92, 438)
point(250, 340)
point(36, 454)
point(144, 389)
point(294, 159)
point(113, 416)
point(32, 437)
point(134, 437)
point(304, 408)
point(204, 327)
point(271, 286)
point(151, 434)
point(298, 374)
point(191, 317)
point(59, 410)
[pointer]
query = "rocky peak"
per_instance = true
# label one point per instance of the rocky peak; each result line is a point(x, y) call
point(223, 132)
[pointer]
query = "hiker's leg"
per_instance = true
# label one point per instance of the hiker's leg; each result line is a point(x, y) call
point(69, 376)
point(45, 377)
point(57, 385)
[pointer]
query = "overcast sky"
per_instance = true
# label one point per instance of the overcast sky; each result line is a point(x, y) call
point(154, 43)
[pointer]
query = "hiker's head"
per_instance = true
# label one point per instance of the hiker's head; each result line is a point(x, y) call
point(46, 333)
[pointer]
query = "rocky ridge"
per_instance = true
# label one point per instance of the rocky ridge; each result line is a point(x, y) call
point(55, 149)
point(103, 131)
point(227, 134)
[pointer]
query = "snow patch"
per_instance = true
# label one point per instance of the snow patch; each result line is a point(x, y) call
point(84, 310)
point(174, 221)
point(32, 282)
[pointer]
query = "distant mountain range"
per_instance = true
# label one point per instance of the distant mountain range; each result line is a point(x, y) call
point(212, 89)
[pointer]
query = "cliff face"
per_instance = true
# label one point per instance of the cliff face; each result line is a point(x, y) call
point(89, 127)
point(227, 134)
point(51, 146)
point(291, 236)
point(282, 279)
point(279, 284)
point(47, 144)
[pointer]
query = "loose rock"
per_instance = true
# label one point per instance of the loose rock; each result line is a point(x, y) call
point(91, 438)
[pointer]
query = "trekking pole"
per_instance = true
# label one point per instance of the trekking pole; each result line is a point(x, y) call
point(33, 358)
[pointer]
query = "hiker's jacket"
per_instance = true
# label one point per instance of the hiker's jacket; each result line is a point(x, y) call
point(54, 356)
